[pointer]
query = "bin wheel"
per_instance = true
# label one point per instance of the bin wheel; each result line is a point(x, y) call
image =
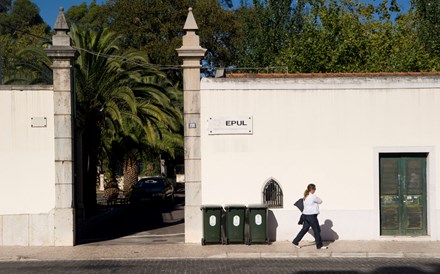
point(203, 241)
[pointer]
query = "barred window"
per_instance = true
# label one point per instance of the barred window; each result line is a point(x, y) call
point(272, 194)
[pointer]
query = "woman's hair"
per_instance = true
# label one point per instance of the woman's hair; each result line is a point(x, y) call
point(309, 187)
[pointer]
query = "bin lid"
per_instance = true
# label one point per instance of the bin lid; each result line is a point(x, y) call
point(234, 206)
point(211, 207)
point(258, 206)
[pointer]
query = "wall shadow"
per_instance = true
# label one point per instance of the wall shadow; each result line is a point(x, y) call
point(116, 221)
point(272, 226)
point(327, 233)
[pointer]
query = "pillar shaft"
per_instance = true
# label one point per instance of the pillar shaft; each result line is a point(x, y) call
point(191, 53)
point(62, 55)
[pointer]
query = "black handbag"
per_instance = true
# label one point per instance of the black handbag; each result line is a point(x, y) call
point(300, 205)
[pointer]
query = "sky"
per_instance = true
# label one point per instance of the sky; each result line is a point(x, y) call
point(49, 8)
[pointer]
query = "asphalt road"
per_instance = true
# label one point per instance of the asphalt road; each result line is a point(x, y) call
point(236, 266)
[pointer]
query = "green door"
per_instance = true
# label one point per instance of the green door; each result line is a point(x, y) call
point(403, 194)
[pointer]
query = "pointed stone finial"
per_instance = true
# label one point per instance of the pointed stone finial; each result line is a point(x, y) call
point(190, 23)
point(61, 44)
point(191, 41)
point(61, 23)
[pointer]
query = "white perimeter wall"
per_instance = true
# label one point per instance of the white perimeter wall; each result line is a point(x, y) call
point(27, 178)
point(327, 131)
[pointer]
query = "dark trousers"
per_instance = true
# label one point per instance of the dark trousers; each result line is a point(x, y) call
point(310, 221)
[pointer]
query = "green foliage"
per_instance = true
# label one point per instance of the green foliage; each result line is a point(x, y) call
point(266, 26)
point(5, 5)
point(126, 108)
point(350, 36)
point(89, 16)
point(20, 27)
point(155, 26)
point(219, 35)
point(301, 35)
point(428, 23)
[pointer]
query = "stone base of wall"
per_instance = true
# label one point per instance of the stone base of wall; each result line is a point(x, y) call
point(193, 224)
point(55, 228)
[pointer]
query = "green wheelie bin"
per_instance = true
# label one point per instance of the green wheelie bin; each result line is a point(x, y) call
point(258, 232)
point(235, 223)
point(212, 216)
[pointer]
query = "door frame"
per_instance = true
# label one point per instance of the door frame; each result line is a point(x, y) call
point(430, 188)
point(402, 159)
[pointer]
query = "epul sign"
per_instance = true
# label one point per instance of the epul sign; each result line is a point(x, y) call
point(230, 125)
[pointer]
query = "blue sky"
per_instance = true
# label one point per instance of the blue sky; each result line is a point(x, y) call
point(49, 8)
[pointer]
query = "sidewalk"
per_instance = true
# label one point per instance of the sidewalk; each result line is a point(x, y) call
point(349, 249)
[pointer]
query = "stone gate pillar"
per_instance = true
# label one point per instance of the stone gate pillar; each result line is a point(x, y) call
point(191, 53)
point(62, 55)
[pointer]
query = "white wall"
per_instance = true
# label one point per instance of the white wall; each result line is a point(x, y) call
point(27, 184)
point(27, 181)
point(328, 131)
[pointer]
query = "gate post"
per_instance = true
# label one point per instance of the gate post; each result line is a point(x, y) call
point(62, 55)
point(191, 53)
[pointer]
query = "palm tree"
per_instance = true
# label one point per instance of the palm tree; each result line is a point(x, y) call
point(125, 108)
point(130, 145)
point(32, 67)
point(161, 131)
point(121, 100)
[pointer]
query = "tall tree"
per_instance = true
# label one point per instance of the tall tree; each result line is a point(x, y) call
point(428, 23)
point(266, 26)
point(155, 26)
point(116, 90)
point(21, 26)
point(90, 16)
point(351, 36)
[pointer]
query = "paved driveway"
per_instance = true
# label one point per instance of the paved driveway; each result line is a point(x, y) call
point(124, 224)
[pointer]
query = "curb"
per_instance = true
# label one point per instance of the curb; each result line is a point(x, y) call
point(253, 255)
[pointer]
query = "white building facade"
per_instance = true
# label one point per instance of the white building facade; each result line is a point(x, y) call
point(368, 141)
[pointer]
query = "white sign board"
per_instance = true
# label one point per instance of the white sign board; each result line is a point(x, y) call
point(230, 125)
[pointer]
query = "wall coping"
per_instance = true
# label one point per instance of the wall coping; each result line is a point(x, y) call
point(329, 75)
point(364, 81)
point(25, 87)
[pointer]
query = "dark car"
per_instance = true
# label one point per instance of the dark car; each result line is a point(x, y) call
point(152, 190)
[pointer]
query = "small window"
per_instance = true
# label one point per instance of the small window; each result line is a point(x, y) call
point(273, 195)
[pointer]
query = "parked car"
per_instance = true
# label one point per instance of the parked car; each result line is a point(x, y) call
point(152, 190)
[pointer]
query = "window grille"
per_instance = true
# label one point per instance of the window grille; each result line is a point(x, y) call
point(273, 195)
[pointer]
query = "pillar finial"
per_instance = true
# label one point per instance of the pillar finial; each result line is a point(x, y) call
point(61, 23)
point(61, 45)
point(191, 41)
point(190, 23)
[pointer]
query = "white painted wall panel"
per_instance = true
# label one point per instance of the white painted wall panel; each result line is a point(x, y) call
point(26, 152)
point(328, 131)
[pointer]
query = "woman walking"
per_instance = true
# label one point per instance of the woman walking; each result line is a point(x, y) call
point(310, 217)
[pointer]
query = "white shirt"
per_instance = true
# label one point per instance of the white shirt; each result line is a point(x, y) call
point(311, 204)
